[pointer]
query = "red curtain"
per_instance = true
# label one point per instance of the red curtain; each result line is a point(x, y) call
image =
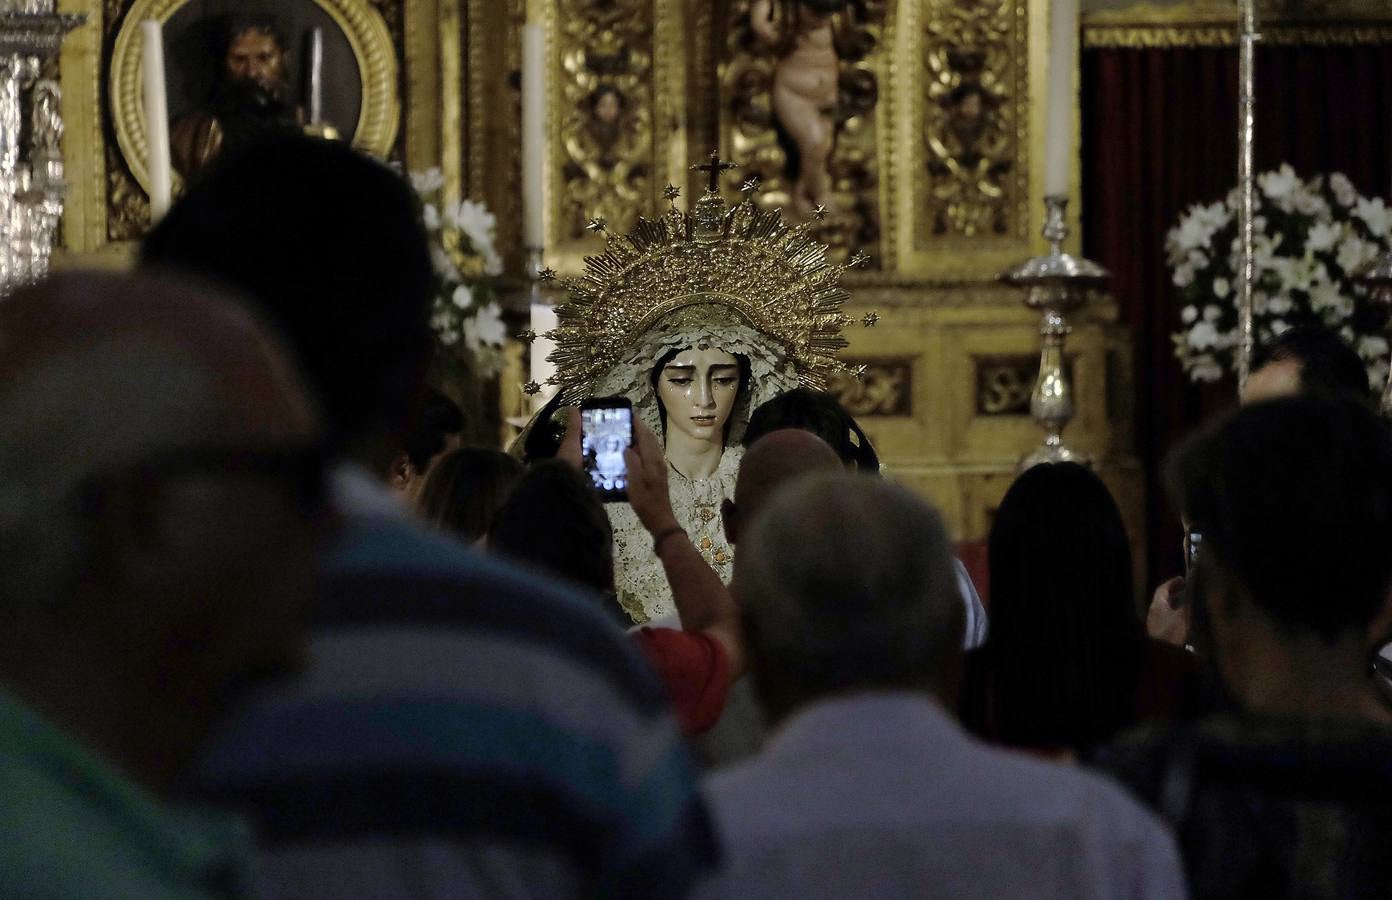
point(1159, 130)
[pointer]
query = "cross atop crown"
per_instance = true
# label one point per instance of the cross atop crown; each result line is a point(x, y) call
point(714, 167)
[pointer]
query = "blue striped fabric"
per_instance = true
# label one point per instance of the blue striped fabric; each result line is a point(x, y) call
point(560, 740)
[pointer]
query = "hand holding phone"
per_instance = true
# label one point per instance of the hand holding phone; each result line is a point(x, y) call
point(606, 431)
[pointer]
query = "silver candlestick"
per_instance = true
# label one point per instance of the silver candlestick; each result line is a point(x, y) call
point(1247, 192)
point(1378, 279)
point(32, 183)
point(1055, 284)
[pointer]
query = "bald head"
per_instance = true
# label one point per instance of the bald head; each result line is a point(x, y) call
point(773, 461)
point(847, 583)
point(157, 525)
point(97, 369)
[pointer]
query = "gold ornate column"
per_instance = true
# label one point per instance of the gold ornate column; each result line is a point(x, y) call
point(616, 112)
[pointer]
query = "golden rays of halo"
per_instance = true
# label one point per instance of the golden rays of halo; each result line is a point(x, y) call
point(774, 276)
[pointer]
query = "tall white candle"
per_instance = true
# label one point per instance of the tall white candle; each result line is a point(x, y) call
point(156, 119)
point(533, 134)
point(1063, 59)
point(543, 322)
point(316, 76)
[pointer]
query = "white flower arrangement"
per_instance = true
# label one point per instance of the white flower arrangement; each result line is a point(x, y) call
point(466, 319)
point(1311, 238)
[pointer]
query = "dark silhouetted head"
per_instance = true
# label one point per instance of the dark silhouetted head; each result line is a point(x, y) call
point(554, 521)
point(328, 244)
point(1294, 501)
point(434, 432)
point(466, 488)
point(823, 415)
point(774, 461)
point(1065, 639)
point(1307, 359)
point(160, 492)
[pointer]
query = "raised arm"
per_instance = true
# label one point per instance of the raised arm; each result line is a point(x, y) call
point(703, 601)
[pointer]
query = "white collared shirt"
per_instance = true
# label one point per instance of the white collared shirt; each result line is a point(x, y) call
point(884, 795)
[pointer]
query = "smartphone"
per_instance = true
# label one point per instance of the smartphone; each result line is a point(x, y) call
point(606, 431)
point(1193, 540)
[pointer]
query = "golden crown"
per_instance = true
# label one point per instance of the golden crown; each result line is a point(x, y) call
point(773, 276)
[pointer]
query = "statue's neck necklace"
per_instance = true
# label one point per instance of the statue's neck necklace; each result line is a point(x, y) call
point(685, 477)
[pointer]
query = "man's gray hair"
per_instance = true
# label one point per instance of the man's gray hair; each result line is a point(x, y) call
point(847, 582)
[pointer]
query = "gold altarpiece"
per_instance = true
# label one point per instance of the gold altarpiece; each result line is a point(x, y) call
point(936, 174)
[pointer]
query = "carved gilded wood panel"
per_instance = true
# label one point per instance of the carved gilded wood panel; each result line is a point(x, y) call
point(966, 148)
point(480, 140)
point(884, 387)
point(606, 112)
point(616, 110)
point(1210, 23)
point(974, 181)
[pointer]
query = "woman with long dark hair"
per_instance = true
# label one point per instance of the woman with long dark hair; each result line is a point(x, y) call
point(1067, 663)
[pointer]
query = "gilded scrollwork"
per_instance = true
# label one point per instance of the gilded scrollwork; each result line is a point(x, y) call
point(976, 104)
point(1004, 383)
point(128, 207)
point(1212, 23)
point(778, 132)
point(883, 388)
point(607, 119)
point(1209, 35)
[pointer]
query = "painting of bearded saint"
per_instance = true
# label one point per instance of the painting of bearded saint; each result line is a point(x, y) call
point(250, 97)
point(238, 71)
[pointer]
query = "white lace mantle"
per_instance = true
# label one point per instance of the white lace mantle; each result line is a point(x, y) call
point(638, 576)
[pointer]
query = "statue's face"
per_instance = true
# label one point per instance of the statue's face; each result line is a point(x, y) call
point(256, 56)
point(698, 388)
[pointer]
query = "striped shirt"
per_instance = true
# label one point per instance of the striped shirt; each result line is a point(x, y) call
point(72, 825)
point(462, 729)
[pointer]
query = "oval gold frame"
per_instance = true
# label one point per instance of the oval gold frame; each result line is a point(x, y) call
point(378, 118)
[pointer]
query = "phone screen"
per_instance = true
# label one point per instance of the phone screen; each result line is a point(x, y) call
point(606, 432)
point(1193, 540)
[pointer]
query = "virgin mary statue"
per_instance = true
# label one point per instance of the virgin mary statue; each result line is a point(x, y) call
point(697, 318)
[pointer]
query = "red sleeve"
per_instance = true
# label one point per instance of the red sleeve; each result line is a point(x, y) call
point(696, 670)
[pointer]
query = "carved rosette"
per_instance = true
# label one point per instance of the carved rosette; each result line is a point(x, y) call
point(883, 388)
point(975, 179)
point(606, 54)
point(1004, 383)
point(752, 136)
